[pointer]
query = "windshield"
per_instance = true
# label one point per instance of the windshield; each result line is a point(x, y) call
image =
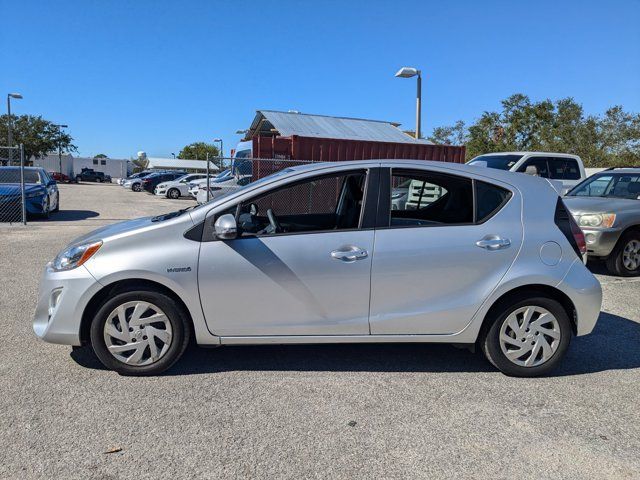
point(500, 162)
point(614, 185)
point(12, 175)
point(243, 154)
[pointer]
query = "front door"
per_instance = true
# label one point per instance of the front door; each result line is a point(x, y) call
point(301, 265)
point(440, 255)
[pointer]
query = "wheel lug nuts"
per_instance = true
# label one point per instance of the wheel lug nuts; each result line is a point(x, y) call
point(131, 329)
point(144, 337)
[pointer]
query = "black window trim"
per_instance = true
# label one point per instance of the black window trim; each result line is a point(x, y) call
point(366, 221)
point(383, 219)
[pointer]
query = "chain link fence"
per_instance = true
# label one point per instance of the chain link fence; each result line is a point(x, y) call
point(12, 185)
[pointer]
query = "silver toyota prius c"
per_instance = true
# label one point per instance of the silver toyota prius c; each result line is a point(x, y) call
point(316, 254)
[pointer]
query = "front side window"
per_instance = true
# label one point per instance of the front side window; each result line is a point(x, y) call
point(540, 165)
point(430, 199)
point(326, 203)
point(618, 185)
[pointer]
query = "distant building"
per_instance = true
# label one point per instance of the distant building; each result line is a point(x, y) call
point(192, 166)
point(115, 167)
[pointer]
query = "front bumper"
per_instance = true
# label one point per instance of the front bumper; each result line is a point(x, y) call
point(585, 292)
point(601, 241)
point(62, 298)
point(160, 191)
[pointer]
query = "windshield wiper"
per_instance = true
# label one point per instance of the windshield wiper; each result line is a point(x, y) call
point(177, 213)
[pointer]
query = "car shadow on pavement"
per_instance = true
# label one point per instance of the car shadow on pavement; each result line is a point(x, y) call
point(614, 344)
point(66, 216)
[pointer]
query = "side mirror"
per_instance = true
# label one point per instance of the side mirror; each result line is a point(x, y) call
point(225, 227)
point(531, 170)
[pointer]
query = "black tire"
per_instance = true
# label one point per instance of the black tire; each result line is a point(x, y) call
point(57, 209)
point(173, 193)
point(47, 211)
point(615, 261)
point(98, 180)
point(78, 179)
point(490, 337)
point(136, 187)
point(178, 319)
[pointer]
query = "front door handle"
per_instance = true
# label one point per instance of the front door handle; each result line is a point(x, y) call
point(349, 254)
point(493, 242)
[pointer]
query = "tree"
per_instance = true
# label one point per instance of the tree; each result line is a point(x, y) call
point(198, 151)
point(39, 136)
point(101, 155)
point(140, 164)
point(609, 140)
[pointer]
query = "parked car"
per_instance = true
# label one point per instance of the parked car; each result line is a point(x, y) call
point(135, 183)
point(194, 185)
point(41, 192)
point(150, 182)
point(220, 187)
point(561, 168)
point(315, 254)
point(59, 177)
point(90, 175)
point(121, 181)
point(607, 208)
point(179, 187)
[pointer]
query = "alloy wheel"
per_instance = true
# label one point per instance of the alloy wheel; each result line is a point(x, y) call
point(137, 333)
point(631, 255)
point(175, 194)
point(530, 336)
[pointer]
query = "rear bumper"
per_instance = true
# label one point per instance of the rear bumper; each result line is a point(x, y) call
point(62, 298)
point(601, 241)
point(585, 293)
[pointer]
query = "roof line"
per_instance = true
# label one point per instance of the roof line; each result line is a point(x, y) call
point(329, 116)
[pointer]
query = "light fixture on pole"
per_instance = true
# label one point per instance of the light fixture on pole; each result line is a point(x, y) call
point(221, 152)
point(174, 155)
point(60, 127)
point(408, 72)
point(9, 120)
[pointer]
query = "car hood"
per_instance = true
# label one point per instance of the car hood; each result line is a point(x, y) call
point(14, 188)
point(581, 205)
point(114, 229)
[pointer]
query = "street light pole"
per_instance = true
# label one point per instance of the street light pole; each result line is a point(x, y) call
point(60, 127)
point(408, 72)
point(10, 121)
point(220, 152)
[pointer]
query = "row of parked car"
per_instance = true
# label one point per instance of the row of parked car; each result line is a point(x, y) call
point(176, 184)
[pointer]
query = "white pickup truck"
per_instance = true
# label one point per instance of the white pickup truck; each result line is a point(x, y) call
point(564, 170)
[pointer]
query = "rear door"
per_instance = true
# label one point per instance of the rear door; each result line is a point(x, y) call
point(438, 257)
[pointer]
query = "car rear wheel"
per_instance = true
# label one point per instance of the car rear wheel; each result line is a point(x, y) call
point(78, 178)
point(527, 336)
point(139, 332)
point(136, 187)
point(98, 180)
point(624, 261)
point(173, 193)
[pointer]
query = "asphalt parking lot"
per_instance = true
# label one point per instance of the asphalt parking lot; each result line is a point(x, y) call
point(365, 411)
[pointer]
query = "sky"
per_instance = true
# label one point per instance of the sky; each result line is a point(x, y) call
point(157, 75)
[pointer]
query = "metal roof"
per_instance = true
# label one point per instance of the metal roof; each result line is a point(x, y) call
point(177, 163)
point(323, 126)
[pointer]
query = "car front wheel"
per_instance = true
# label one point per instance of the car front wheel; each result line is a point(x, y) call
point(139, 332)
point(527, 337)
point(174, 193)
point(624, 261)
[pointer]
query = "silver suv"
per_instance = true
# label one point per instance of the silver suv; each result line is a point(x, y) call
point(316, 254)
point(607, 208)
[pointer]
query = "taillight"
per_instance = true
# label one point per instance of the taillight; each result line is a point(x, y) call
point(570, 228)
point(578, 234)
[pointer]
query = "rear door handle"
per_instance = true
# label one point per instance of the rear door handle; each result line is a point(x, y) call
point(493, 242)
point(349, 254)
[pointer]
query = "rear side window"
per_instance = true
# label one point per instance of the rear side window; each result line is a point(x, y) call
point(425, 198)
point(564, 169)
point(489, 199)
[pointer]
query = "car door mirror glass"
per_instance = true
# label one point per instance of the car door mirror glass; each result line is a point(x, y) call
point(225, 227)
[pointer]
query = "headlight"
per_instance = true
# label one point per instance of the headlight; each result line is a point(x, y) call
point(597, 220)
point(397, 195)
point(34, 194)
point(75, 256)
